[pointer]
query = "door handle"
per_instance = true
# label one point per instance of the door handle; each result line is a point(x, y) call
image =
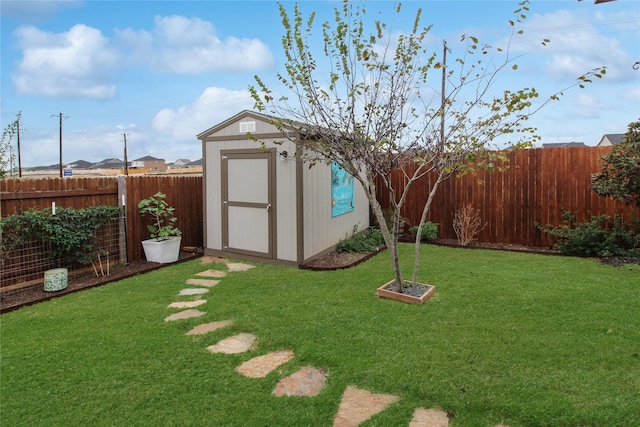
point(268, 207)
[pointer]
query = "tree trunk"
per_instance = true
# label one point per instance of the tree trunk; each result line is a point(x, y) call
point(423, 218)
point(390, 236)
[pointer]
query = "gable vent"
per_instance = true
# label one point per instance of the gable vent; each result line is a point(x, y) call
point(247, 127)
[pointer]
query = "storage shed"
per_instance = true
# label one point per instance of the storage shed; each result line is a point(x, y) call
point(262, 201)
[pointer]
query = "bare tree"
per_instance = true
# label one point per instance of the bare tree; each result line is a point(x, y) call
point(7, 156)
point(373, 109)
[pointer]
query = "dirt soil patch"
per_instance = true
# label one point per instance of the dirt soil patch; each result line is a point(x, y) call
point(338, 260)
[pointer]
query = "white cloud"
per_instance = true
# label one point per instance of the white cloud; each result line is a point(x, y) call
point(79, 63)
point(213, 106)
point(72, 64)
point(577, 45)
point(191, 46)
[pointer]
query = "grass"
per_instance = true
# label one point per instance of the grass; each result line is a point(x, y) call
point(512, 338)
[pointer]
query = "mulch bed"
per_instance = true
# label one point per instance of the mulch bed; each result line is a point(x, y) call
point(34, 294)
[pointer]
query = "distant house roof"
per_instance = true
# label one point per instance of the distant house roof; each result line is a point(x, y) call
point(80, 164)
point(194, 163)
point(112, 163)
point(182, 161)
point(147, 158)
point(563, 144)
point(611, 139)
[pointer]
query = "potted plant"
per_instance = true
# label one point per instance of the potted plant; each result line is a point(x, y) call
point(164, 245)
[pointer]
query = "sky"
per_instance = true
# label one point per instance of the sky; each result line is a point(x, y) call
point(161, 72)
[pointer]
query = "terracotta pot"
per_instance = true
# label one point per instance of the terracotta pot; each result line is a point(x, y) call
point(383, 292)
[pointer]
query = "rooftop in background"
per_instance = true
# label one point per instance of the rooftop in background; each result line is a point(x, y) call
point(563, 144)
point(611, 139)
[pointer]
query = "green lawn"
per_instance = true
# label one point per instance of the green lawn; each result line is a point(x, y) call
point(512, 338)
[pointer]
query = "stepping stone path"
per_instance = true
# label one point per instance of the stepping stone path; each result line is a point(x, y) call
point(356, 405)
point(187, 304)
point(187, 314)
point(209, 327)
point(193, 291)
point(238, 266)
point(212, 273)
point(203, 282)
point(429, 418)
point(233, 345)
point(259, 367)
point(307, 382)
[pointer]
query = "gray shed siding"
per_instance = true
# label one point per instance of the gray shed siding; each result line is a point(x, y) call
point(305, 227)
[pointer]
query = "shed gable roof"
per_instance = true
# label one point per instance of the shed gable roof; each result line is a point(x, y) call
point(238, 118)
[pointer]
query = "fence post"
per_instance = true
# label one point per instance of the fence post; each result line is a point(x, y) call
point(122, 203)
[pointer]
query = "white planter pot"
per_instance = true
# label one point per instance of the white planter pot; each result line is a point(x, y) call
point(164, 251)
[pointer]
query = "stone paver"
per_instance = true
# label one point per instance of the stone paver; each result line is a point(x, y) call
point(306, 382)
point(239, 266)
point(203, 282)
point(235, 344)
point(358, 406)
point(423, 417)
point(208, 259)
point(259, 367)
point(205, 328)
point(212, 273)
point(187, 304)
point(193, 291)
point(187, 314)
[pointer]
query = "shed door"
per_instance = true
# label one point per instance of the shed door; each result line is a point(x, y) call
point(248, 203)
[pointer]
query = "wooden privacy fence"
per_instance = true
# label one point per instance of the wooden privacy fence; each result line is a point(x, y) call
point(183, 192)
point(534, 189)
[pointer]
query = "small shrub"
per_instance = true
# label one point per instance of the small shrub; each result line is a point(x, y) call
point(429, 231)
point(162, 214)
point(600, 236)
point(467, 224)
point(367, 241)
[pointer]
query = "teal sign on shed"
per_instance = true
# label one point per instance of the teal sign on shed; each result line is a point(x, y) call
point(342, 200)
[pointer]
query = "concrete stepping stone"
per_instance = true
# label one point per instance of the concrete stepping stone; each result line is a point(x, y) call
point(259, 367)
point(307, 382)
point(205, 328)
point(212, 273)
point(187, 304)
point(203, 282)
point(239, 266)
point(208, 259)
point(187, 314)
point(423, 417)
point(193, 291)
point(233, 345)
point(358, 406)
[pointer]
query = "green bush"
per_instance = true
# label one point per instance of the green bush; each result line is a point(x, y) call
point(429, 231)
point(367, 241)
point(600, 236)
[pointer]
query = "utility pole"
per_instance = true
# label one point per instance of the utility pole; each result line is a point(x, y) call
point(60, 145)
point(60, 116)
point(126, 160)
point(19, 157)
